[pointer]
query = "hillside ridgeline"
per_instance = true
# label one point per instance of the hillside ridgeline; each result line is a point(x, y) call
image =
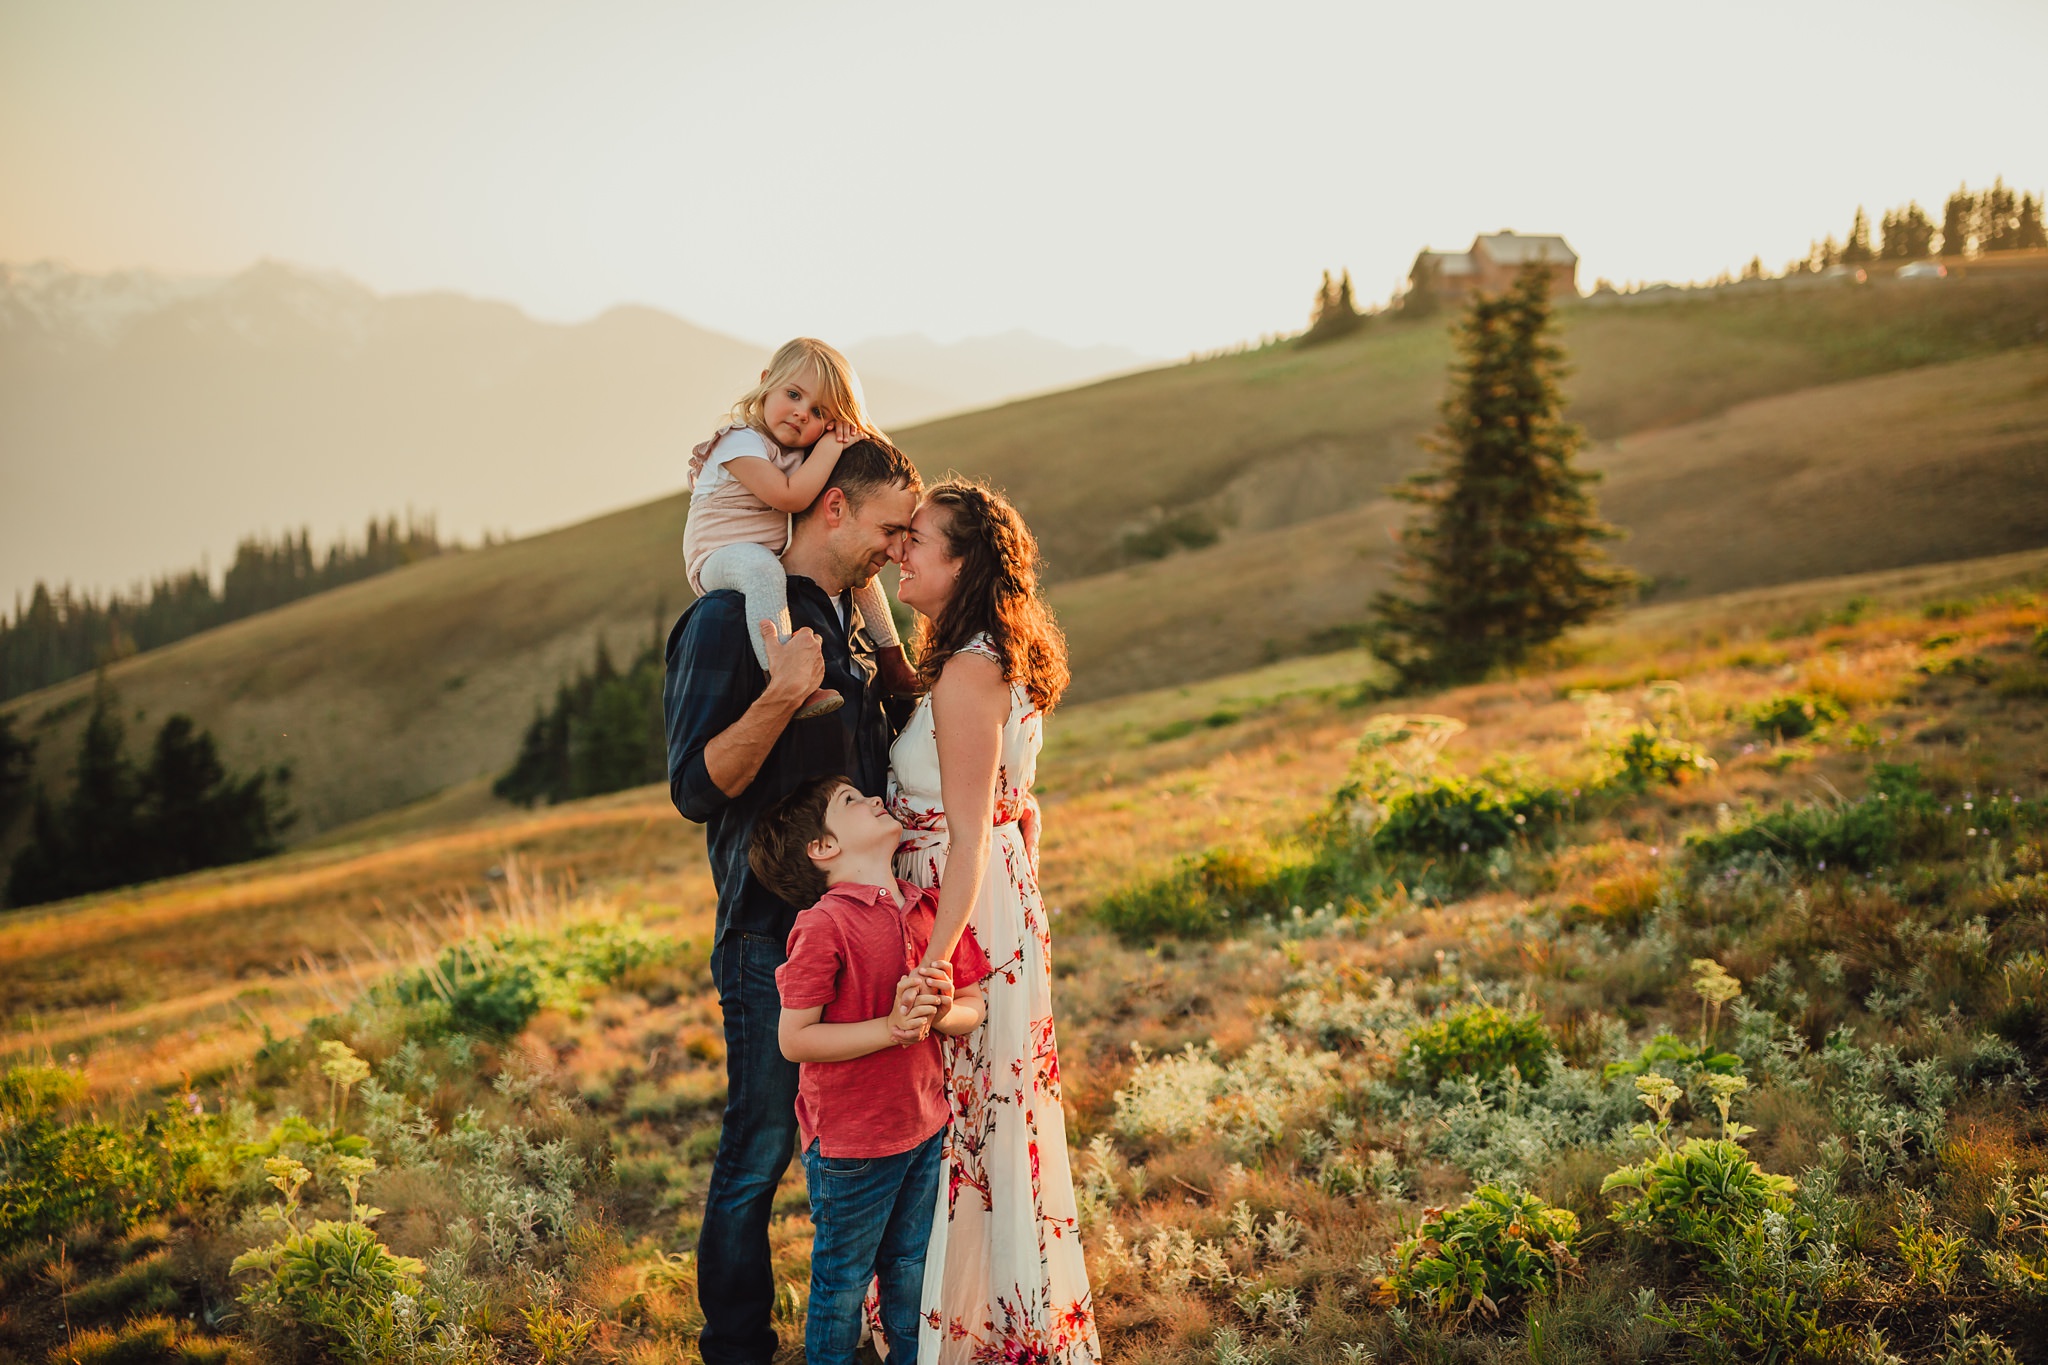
point(1750, 439)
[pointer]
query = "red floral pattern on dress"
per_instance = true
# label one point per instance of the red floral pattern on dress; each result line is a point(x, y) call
point(1004, 1276)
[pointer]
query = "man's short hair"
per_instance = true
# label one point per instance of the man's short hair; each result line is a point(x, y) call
point(779, 848)
point(869, 464)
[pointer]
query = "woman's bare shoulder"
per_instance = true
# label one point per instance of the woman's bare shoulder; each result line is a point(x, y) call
point(969, 677)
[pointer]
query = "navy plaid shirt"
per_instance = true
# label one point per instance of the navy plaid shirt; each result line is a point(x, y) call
point(712, 679)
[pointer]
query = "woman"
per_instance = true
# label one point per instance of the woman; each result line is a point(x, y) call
point(1004, 1278)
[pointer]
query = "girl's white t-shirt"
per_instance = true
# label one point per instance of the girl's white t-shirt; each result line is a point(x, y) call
point(739, 443)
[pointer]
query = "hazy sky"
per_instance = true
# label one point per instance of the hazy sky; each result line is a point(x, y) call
point(1169, 176)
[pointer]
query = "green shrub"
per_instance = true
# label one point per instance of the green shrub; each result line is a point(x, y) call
point(493, 986)
point(1895, 818)
point(1668, 1052)
point(1645, 759)
point(1203, 897)
point(328, 1285)
point(1697, 1193)
point(1498, 1245)
point(1771, 1280)
point(1450, 816)
point(56, 1176)
point(1482, 1041)
point(1795, 715)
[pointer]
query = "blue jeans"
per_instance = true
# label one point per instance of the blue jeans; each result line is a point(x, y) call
point(735, 1281)
point(871, 1218)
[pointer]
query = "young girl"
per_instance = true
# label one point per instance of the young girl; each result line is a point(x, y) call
point(750, 477)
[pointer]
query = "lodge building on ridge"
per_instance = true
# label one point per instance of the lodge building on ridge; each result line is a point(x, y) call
point(1492, 265)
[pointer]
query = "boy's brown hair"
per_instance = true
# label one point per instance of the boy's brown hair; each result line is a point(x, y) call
point(779, 849)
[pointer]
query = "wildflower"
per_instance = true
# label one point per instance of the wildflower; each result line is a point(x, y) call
point(1715, 987)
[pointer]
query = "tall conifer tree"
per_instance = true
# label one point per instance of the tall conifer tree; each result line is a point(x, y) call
point(1957, 216)
point(2033, 235)
point(1857, 250)
point(1503, 554)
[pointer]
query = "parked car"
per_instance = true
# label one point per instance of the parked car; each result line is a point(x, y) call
point(1922, 270)
point(1852, 274)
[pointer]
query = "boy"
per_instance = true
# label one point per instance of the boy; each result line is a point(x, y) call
point(871, 1098)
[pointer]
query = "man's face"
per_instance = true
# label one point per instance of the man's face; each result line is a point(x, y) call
point(871, 533)
point(861, 825)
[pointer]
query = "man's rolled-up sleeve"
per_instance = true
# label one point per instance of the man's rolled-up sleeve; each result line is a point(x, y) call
point(710, 683)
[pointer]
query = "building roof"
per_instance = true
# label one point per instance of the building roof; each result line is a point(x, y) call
point(1448, 262)
point(1513, 248)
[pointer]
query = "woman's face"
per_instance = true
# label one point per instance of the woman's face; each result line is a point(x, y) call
point(928, 572)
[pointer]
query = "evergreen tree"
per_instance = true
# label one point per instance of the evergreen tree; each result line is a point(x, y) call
point(1957, 216)
point(1908, 234)
point(100, 817)
point(2032, 235)
point(1857, 250)
point(604, 733)
point(1755, 269)
point(119, 826)
point(195, 815)
point(62, 634)
point(1998, 218)
point(17, 760)
point(1335, 313)
point(1503, 554)
point(1424, 296)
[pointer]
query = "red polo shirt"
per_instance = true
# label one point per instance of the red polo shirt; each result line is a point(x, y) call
point(847, 953)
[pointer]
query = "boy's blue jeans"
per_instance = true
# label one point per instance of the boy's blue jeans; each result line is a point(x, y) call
point(871, 1219)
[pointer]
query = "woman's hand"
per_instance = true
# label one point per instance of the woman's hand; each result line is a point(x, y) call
point(916, 1006)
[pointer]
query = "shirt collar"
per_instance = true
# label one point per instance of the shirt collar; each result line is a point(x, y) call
point(843, 606)
point(861, 894)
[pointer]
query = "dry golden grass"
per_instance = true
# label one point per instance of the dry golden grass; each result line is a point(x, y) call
point(1129, 785)
point(182, 977)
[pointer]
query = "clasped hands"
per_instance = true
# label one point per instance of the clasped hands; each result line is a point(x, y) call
point(923, 998)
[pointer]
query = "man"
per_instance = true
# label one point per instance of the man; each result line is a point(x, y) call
point(733, 751)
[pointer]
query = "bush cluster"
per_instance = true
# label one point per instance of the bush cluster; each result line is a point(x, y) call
point(492, 987)
point(1497, 1246)
point(1480, 1042)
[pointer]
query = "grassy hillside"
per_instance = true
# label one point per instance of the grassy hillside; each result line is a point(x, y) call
point(1262, 1116)
point(1283, 435)
point(1744, 457)
point(1943, 462)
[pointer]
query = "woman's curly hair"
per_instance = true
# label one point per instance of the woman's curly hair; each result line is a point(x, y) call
point(997, 592)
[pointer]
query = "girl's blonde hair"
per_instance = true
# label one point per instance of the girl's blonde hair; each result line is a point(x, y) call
point(838, 386)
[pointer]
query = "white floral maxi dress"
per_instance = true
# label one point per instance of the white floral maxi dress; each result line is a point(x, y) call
point(1004, 1279)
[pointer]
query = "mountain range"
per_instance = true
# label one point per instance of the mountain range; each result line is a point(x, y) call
point(149, 419)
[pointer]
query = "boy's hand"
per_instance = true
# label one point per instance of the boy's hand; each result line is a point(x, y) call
point(911, 1019)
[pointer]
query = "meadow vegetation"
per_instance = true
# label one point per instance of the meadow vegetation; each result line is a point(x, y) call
point(1730, 1047)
